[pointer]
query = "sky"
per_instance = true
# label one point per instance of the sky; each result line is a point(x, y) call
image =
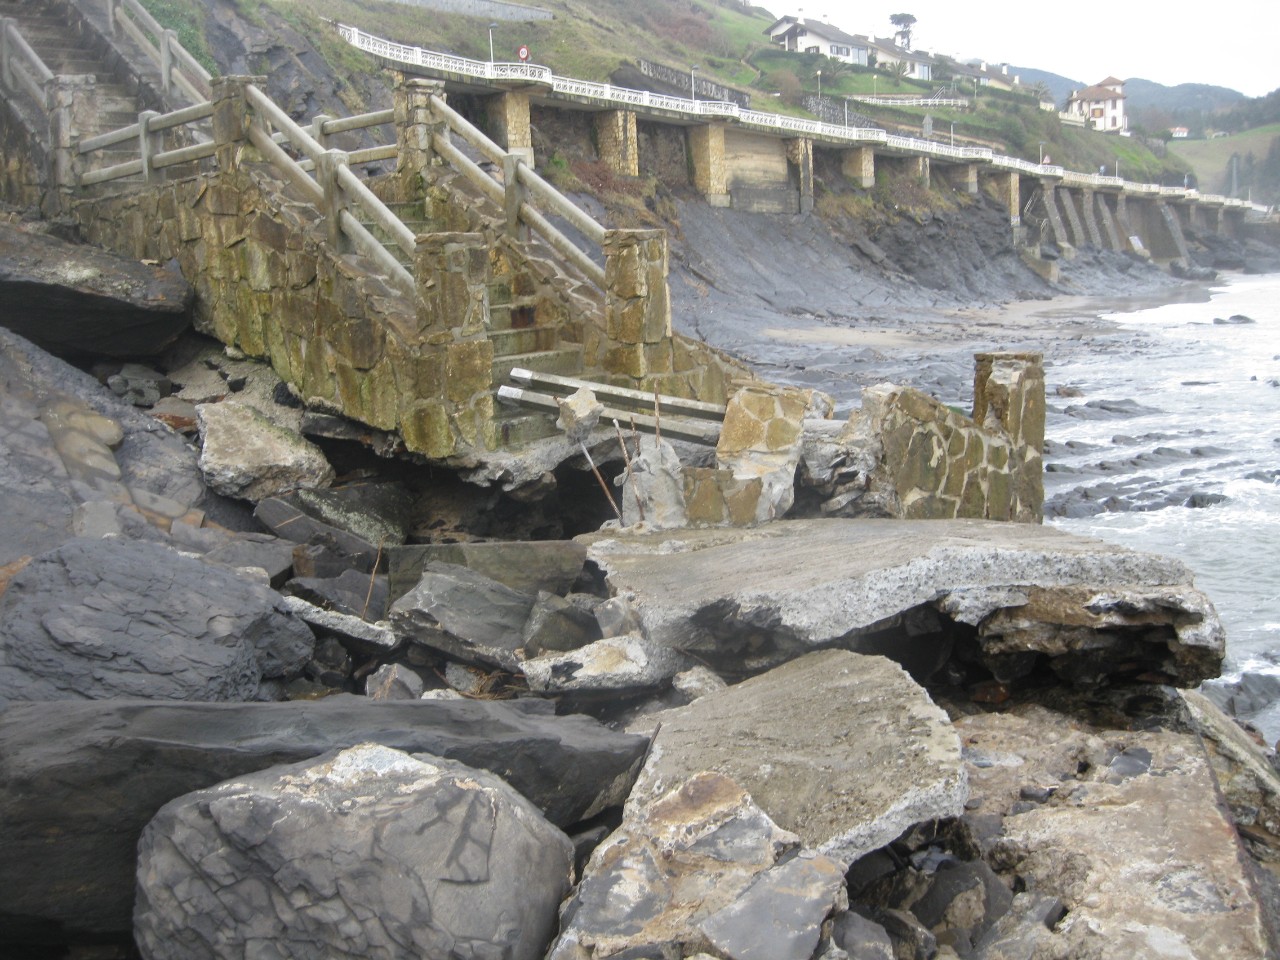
point(1086, 42)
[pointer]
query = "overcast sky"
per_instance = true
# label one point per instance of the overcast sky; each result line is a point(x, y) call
point(1236, 45)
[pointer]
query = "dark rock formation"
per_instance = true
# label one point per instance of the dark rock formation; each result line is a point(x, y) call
point(107, 618)
point(368, 852)
point(79, 781)
point(77, 299)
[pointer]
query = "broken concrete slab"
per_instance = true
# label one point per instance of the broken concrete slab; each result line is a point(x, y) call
point(700, 867)
point(1125, 827)
point(525, 566)
point(628, 662)
point(744, 600)
point(245, 455)
point(842, 749)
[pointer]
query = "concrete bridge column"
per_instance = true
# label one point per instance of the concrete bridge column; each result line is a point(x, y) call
point(1009, 190)
point(963, 177)
point(1048, 194)
point(509, 114)
point(1108, 222)
point(1132, 241)
point(637, 344)
point(1078, 237)
point(859, 166)
point(1170, 217)
point(416, 124)
point(1087, 208)
point(710, 175)
point(919, 167)
point(800, 160)
point(617, 141)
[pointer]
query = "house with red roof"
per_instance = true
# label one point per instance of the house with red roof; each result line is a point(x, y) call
point(1101, 106)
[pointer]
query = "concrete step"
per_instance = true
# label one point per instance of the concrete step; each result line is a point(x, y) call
point(566, 361)
point(516, 426)
point(523, 341)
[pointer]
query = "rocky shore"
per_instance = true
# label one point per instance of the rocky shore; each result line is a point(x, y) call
point(267, 688)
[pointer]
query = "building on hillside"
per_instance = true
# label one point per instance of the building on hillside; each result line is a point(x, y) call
point(997, 77)
point(815, 36)
point(1179, 133)
point(1101, 106)
point(889, 54)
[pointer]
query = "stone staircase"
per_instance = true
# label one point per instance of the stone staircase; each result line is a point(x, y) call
point(67, 52)
point(519, 339)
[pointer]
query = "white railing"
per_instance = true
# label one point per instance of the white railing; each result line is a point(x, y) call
point(887, 100)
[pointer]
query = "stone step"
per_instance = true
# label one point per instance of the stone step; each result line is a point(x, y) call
point(523, 340)
point(516, 426)
point(566, 361)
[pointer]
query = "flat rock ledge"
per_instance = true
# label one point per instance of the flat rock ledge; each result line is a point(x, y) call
point(841, 749)
point(1036, 599)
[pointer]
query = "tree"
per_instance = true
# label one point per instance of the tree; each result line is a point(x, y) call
point(904, 22)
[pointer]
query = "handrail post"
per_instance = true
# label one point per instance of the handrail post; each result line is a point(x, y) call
point(167, 40)
point(113, 17)
point(6, 72)
point(148, 143)
point(416, 124)
point(335, 198)
point(513, 197)
point(317, 129)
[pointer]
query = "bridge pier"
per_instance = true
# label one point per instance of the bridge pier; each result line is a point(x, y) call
point(1108, 222)
point(800, 164)
point(963, 176)
point(617, 141)
point(710, 174)
point(859, 166)
point(1087, 214)
point(1048, 195)
point(509, 116)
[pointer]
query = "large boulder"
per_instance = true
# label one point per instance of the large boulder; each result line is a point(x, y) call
point(96, 619)
point(1038, 599)
point(368, 852)
point(465, 615)
point(76, 299)
point(245, 455)
point(842, 749)
point(79, 780)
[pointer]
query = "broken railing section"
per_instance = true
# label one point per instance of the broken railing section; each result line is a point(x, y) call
point(779, 453)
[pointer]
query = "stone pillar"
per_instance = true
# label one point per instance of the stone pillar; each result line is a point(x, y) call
point(1078, 237)
point(859, 166)
point(1108, 222)
point(710, 176)
point(1008, 396)
point(1174, 226)
point(919, 167)
point(638, 343)
point(230, 118)
point(449, 406)
point(617, 141)
point(416, 125)
point(1048, 193)
point(800, 159)
point(509, 115)
point(70, 104)
point(1130, 239)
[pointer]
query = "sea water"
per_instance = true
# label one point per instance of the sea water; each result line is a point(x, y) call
point(1175, 440)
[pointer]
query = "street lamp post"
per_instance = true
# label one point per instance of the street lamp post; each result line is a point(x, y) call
point(1042, 153)
point(846, 113)
point(819, 89)
point(693, 81)
point(953, 134)
point(492, 27)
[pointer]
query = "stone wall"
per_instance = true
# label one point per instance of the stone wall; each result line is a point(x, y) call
point(487, 9)
point(22, 160)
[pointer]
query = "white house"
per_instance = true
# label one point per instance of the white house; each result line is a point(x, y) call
point(1101, 106)
point(888, 54)
point(1179, 133)
point(814, 36)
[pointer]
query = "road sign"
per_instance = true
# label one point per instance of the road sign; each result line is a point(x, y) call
point(523, 53)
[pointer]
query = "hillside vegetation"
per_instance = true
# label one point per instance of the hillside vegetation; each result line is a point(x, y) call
point(1255, 154)
point(591, 39)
